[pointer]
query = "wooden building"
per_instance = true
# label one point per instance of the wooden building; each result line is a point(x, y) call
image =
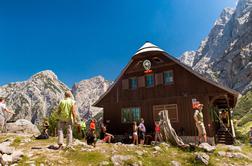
point(153, 81)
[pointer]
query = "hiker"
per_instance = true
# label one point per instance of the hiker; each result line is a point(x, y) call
point(135, 135)
point(198, 117)
point(92, 124)
point(104, 136)
point(250, 136)
point(2, 109)
point(91, 136)
point(224, 118)
point(142, 131)
point(44, 134)
point(83, 128)
point(67, 116)
point(157, 132)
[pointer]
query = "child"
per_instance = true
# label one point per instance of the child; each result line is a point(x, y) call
point(135, 136)
point(157, 132)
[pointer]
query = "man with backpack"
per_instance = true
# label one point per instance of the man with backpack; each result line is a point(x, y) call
point(67, 117)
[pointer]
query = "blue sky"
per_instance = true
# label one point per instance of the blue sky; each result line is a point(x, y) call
point(79, 39)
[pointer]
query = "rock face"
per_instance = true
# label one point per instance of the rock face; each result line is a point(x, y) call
point(86, 92)
point(188, 58)
point(34, 98)
point(226, 54)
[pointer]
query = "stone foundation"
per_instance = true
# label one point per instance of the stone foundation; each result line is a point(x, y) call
point(191, 139)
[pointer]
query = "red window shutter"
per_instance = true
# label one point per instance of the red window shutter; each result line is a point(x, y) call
point(159, 78)
point(141, 81)
point(125, 84)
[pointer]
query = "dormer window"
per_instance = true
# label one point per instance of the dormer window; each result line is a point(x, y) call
point(157, 60)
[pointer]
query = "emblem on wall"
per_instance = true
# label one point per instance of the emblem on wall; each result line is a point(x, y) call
point(147, 66)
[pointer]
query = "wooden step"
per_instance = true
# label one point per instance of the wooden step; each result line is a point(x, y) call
point(223, 136)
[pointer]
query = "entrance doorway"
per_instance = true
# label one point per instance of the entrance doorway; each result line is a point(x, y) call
point(221, 117)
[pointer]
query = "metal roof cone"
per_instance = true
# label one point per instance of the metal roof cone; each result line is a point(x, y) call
point(148, 46)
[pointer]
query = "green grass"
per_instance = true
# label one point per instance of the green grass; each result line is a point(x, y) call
point(23, 161)
point(164, 158)
point(16, 141)
point(242, 133)
point(85, 158)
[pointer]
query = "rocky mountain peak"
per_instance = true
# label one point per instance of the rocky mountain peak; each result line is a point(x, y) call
point(243, 6)
point(225, 16)
point(188, 58)
point(35, 98)
point(225, 54)
point(88, 91)
point(46, 74)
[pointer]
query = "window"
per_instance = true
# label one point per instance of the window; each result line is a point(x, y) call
point(133, 83)
point(172, 111)
point(128, 115)
point(168, 77)
point(149, 80)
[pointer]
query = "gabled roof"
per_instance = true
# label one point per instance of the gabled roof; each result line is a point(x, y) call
point(149, 47)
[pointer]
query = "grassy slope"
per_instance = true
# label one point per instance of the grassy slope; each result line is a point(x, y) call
point(83, 155)
point(243, 116)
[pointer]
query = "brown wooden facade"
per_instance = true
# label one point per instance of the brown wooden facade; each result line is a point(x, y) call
point(176, 97)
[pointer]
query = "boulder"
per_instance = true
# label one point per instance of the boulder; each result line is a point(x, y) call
point(237, 155)
point(5, 148)
point(240, 156)
point(104, 163)
point(119, 160)
point(22, 126)
point(16, 156)
point(202, 158)
point(139, 153)
point(222, 154)
point(234, 148)
point(6, 159)
point(157, 148)
point(79, 143)
point(165, 144)
point(175, 163)
point(206, 147)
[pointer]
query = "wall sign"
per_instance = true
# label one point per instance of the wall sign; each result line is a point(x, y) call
point(147, 66)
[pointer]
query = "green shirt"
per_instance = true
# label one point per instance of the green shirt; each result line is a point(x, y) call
point(83, 125)
point(65, 109)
